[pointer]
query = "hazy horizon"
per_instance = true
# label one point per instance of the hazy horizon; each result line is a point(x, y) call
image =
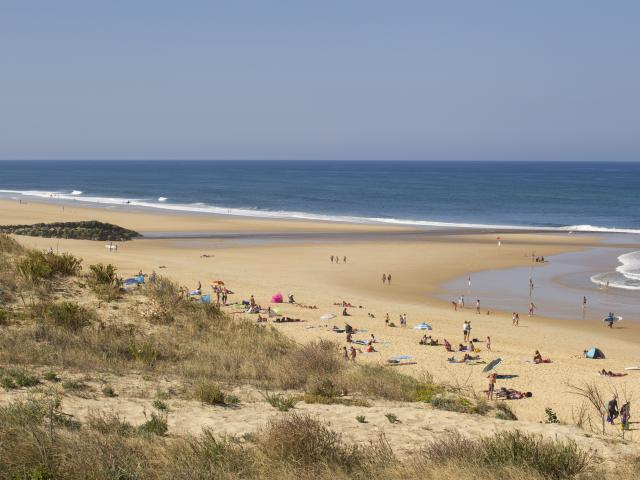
point(358, 80)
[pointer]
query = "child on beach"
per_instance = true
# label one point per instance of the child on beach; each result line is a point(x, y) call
point(353, 354)
point(489, 343)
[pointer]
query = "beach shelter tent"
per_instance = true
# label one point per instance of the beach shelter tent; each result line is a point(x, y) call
point(277, 298)
point(594, 352)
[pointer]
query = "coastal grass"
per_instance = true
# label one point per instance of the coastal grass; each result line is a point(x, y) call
point(40, 441)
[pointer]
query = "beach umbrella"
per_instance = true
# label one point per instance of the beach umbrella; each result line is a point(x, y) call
point(327, 316)
point(491, 365)
point(423, 326)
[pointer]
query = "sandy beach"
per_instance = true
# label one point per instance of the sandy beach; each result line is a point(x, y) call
point(418, 268)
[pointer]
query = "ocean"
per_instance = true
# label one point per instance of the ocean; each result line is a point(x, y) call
point(586, 196)
point(564, 196)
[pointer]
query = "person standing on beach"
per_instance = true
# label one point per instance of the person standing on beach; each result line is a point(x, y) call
point(478, 307)
point(465, 331)
point(492, 385)
point(386, 320)
point(489, 343)
point(461, 301)
point(331, 257)
point(345, 353)
point(353, 353)
point(337, 259)
point(531, 308)
point(344, 259)
point(389, 279)
point(384, 278)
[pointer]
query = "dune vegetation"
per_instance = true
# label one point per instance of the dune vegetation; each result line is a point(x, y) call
point(60, 324)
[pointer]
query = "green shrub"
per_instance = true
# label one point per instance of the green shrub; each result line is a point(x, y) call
point(24, 379)
point(392, 418)
point(361, 419)
point(103, 274)
point(209, 393)
point(231, 400)
point(160, 405)
point(37, 266)
point(551, 416)
point(75, 385)
point(451, 402)
point(156, 425)
point(280, 402)
point(4, 316)
point(8, 383)
point(69, 315)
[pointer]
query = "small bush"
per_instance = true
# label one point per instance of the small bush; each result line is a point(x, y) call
point(69, 315)
point(37, 266)
point(452, 402)
point(156, 425)
point(161, 405)
point(109, 423)
point(231, 400)
point(4, 316)
point(51, 376)
point(75, 385)
point(8, 383)
point(301, 440)
point(209, 393)
point(392, 418)
point(108, 391)
point(24, 379)
point(551, 416)
point(361, 419)
point(551, 459)
point(280, 402)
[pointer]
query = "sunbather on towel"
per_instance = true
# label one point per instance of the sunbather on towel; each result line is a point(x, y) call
point(537, 358)
point(511, 394)
point(609, 373)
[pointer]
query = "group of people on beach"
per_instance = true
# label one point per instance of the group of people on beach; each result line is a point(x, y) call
point(336, 258)
point(386, 278)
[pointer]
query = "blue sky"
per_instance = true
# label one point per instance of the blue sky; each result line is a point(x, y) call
point(490, 80)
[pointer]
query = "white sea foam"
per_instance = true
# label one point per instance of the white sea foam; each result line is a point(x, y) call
point(203, 208)
point(626, 276)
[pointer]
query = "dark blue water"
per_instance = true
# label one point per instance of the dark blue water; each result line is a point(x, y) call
point(528, 194)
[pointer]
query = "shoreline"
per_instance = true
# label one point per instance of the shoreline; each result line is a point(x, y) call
point(74, 199)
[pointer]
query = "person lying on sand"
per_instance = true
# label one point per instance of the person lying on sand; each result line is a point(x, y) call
point(511, 394)
point(287, 320)
point(348, 328)
point(261, 319)
point(609, 373)
point(466, 358)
